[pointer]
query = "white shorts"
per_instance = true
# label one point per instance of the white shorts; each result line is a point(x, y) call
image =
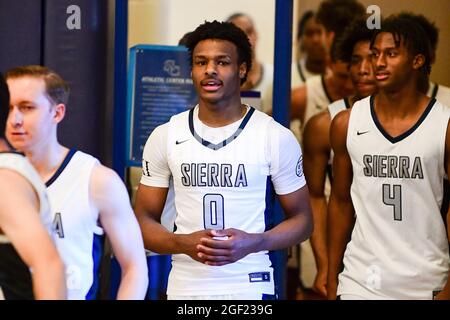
point(231, 296)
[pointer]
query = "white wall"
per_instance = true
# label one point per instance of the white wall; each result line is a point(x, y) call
point(166, 21)
point(187, 15)
point(147, 22)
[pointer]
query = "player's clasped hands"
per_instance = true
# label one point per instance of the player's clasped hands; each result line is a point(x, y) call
point(221, 247)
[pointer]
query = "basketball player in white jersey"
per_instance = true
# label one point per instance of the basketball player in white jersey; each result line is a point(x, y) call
point(391, 155)
point(261, 76)
point(312, 54)
point(222, 156)
point(319, 91)
point(25, 243)
point(87, 198)
point(354, 48)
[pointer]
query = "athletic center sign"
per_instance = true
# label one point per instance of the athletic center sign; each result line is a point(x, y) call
point(159, 86)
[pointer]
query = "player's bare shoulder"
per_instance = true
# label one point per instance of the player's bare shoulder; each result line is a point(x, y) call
point(105, 186)
point(318, 123)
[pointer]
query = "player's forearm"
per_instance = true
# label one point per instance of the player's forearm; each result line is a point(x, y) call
point(290, 232)
point(340, 225)
point(157, 238)
point(134, 283)
point(319, 234)
point(48, 280)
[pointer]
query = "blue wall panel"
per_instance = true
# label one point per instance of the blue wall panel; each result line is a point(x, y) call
point(79, 55)
point(20, 33)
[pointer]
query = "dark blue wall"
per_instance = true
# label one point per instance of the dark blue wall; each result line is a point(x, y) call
point(36, 32)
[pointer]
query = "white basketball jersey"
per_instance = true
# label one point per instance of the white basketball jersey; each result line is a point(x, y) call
point(79, 238)
point(299, 73)
point(440, 92)
point(223, 185)
point(265, 86)
point(317, 98)
point(18, 163)
point(334, 109)
point(399, 246)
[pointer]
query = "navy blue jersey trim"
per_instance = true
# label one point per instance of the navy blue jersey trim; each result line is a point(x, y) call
point(300, 71)
point(330, 172)
point(250, 94)
point(322, 78)
point(435, 91)
point(269, 200)
point(61, 168)
point(224, 142)
point(97, 253)
point(269, 297)
point(445, 201)
point(409, 131)
point(347, 103)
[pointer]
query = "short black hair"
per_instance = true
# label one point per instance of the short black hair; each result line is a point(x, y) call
point(411, 34)
point(4, 106)
point(302, 22)
point(357, 31)
point(336, 15)
point(184, 38)
point(429, 27)
point(223, 31)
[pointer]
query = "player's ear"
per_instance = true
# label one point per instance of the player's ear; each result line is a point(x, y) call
point(59, 112)
point(418, 61)
point(242, 70)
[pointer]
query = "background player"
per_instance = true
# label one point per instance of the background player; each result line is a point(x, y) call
point(260, 77)
point(353, 48)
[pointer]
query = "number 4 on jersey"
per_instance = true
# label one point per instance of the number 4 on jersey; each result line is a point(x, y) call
point(394, 200)
point(58, 226)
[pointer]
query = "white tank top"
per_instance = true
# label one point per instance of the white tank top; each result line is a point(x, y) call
point(221, 184)
point(20, 164)
point(300, 73)
point(334, 109)
point(317, 99)
point(440, 92)
point(399, 246)
point(77, 233)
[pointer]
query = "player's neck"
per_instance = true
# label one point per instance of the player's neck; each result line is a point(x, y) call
point(215, 115)
point(353, 98)
point(315, 66)
point(401, 102)
point(331, 88)
point(48, 159)
point(4, 146)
